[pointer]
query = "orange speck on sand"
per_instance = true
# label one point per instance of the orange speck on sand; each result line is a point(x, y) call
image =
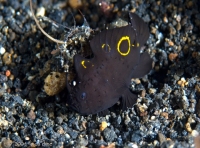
point(103, 125)
point(8, 73)
point(173, 56)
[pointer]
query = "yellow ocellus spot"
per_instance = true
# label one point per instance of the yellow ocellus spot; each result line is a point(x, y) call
point(119, 43)
point(83, 64)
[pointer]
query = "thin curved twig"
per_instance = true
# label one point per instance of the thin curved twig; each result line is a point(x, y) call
point(42, 30)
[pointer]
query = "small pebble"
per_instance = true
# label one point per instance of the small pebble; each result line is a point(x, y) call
point(194, 133)
point(59, 120)
point(172, 30)
point(75, 3)
point(54, 83)
point(182, 82)
point(31, 115)
point(3, 123)
point(109, 134)
point(188, 127)
point(173, 56)
point(152, 90)
point(165, 19)
point(178, 26)
point(164, 114)
point(6, 143)
point(27, 138)
point(2, 50)
point(103, 125)
point(161, 138)
point(40, 11)
point(171, 43)
point(7, 58)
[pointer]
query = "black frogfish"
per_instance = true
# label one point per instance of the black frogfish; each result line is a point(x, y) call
point(104, 79)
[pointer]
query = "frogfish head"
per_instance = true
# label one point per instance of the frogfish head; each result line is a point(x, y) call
point(82, 100)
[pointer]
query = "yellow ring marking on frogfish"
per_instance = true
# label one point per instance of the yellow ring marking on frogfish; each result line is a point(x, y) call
point(83, 64)
point(119, 43)
point(103, 45)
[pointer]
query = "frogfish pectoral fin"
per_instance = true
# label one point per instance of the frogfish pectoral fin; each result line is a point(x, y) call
point(128, 99)
point(144, 66)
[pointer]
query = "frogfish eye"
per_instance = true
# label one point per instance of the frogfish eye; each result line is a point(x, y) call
point(83, 96)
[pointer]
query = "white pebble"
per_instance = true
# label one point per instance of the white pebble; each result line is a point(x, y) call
point(38, 55)
point(194, 133)
point(132, 145)
point(40, 11)
point(30, 78)
point(155, 142)
point(2, 50)
point(153, 117)
point(67, 136)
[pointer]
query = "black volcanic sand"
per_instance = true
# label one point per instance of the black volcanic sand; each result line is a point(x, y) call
point(168, 107)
